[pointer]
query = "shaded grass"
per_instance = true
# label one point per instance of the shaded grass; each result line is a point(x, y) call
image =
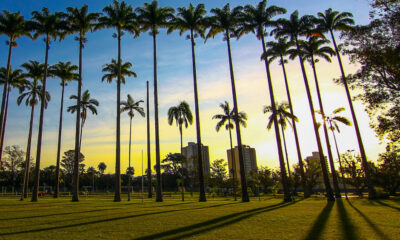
point(97, 217)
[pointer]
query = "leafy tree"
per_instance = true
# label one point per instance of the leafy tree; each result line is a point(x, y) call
point(79, 21)
point(93, 173)
point(294, 27)
point(218, 173)
point(313, 172)
point(85, 103)
point(102, 167)
point(389, 169)
point(278, 50)
point(152, 18)
point(121, 17)
point(52, 27)
point(355, 174)
point(192, 19)
point(131, 107)
point(226, 119)
point(13, 162)
point(173, 164)
point(32, 93)
point(68, 162)
point(66, 72)
point(226, 21)
point(13, 25)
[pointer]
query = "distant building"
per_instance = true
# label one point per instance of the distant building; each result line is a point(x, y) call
point(249, 157)
point(190, 152)
point(314, 160)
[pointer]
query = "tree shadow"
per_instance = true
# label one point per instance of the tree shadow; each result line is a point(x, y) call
point(387, 205)
point(348, 228)
point(320, 222)
point(370, 223)
point(211, 224)
point(109, 219)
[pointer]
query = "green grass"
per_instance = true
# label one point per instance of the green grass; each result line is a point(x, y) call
point(97, 217)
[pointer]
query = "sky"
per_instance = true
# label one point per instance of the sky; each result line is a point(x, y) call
point(175, 84)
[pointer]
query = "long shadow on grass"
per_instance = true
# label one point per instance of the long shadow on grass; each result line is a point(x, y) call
point(387, 205)
point(109, 220)
point(55, 214)
point(370, 223)
point(348, 228)
point(320, 222)
point(215, 223)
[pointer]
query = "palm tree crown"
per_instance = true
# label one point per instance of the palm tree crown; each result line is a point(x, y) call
point(80, 21)
point(181, 114)
point(51, 25)
point(151, 17)
point(13, 25)
point(277, 49)
point(86, 103)
point(65, 71)
point(282, 113)
point(334, 21)
point(256, 19)
point(224, 21)
point(191, 18)
point(229, 116)
point(112, 71)
point(16, 78)
point(314, 47)
point(131, 107)
point(294, 26)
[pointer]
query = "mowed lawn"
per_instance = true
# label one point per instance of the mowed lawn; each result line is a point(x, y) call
point(98, 217)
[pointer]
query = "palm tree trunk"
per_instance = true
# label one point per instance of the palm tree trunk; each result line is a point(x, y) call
point(41, 118)
point(286, 154)
point(328, 145)
point(233, 162)
point(182, 178)
point(129, 162)
point(80, 135)
point(296, 138)
point(3, 101)
point(149, 185)
point(202, 196)
point(4, 123)
point(158, 164)
point(329, 193)
point(286, 192)
point(371, 190)
point(340, 163)
point(243, 180)
point(28, 157)
point(75, 179)
point(57, 187)
point(117, 196)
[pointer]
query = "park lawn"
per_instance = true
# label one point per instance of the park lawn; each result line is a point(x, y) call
point(97, 217)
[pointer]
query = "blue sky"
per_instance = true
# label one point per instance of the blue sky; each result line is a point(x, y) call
point(175, 84)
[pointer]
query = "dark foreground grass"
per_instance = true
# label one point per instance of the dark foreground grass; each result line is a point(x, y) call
point(97, 217)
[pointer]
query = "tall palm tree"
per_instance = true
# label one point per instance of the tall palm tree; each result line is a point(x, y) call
point(149, 184)
point(85, 104)
point(226, 22)
point(256, 19)
point(331, 21)
point(192, 19)
point(182, 116)
point(131, 107)
point(52, 27)
point(226, 119)
point(283, 117)
point(278, 50)
point(152, 18)
point(79, 21)
point(32, 92)
point(117, 70)
point(14, 79)
point(333, 119)
point(311, 50)
point(14, 26)
point(121, 17)
point(66, 72)
point(294, 27)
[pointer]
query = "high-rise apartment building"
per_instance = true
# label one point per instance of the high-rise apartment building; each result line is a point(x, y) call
point(249, 157)
point(190, 152)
